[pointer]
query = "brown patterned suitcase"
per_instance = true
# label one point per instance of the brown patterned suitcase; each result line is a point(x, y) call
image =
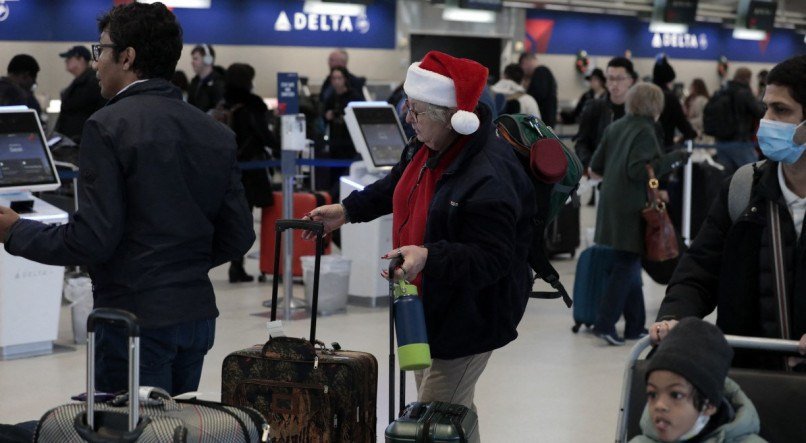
point(306, 391)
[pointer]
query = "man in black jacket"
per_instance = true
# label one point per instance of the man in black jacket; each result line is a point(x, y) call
point(338, 59)
point(599, 113)
point(83, 97)
point(161, 204)
point(540, 84)
point(207, 86)
point(16, 88)
point(730, 264)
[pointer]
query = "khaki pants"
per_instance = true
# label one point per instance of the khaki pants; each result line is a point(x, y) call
point(452, 381)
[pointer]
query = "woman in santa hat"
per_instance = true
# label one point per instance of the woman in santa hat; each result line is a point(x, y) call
point(462, 210)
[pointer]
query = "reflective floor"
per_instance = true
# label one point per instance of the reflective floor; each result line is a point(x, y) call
point(549, 385)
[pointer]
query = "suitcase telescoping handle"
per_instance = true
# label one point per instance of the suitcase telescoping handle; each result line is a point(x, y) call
point(394, 263)
point(129, 322)
point(317, 228)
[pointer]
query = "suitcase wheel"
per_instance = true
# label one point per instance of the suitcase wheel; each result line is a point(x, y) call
point(261, 278)
point(575, 328)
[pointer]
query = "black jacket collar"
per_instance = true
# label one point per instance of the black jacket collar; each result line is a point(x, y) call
point(153, 86)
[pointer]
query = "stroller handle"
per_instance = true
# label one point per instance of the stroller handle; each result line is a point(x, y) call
point(735, 341)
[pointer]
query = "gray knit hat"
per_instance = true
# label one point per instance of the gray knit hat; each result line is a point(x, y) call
point(697, 351)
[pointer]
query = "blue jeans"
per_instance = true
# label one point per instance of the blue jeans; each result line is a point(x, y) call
point(170, 358)
point(732, 155)
point(623, 295)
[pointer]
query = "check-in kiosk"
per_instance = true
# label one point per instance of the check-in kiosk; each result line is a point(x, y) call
point(378, 136)
point(30, 292)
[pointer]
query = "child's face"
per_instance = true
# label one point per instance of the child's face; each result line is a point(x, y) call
point(671, 405)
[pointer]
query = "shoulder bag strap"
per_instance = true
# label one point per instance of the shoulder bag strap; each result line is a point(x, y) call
point(652, 196)
point(779, 270)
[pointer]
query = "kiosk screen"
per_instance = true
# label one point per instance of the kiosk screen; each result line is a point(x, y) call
point(25, 161)
point(382, 133)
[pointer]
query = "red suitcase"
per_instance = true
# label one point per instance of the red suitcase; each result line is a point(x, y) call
point(304, 202)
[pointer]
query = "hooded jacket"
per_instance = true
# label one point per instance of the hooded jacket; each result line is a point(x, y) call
point(476, 280)
point(742, 426)
point(515, 92)
point(161, 203)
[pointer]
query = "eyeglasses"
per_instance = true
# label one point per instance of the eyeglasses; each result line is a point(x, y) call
point(408, 108)
point(96, 50)
point(618, 79)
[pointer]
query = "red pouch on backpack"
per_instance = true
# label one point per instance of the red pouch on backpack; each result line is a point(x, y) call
point(547, 160)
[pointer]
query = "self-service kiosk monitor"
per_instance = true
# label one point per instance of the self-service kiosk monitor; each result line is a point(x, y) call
point(377, 134)
point(25, 160)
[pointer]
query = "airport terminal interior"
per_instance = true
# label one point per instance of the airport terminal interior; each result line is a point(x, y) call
point(551, 384)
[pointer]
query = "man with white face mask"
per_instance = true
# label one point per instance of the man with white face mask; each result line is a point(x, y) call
point(730, 264)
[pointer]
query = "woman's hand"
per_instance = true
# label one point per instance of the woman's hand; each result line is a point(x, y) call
point(660, 330)
point(414, 258)
point(331, 215)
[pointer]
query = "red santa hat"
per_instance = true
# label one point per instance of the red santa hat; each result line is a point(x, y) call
point(448, 81)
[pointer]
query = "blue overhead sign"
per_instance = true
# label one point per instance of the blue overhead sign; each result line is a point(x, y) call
point(554, 32)
point(245, 22)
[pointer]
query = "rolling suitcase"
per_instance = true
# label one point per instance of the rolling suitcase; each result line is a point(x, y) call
point(432, 422)
point(308, 392)
point(590, 283)
point(154, 417)
point(304, 202)
point(421, 422)
point(562, 234)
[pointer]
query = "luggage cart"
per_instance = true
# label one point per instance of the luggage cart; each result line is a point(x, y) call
point(779, 397)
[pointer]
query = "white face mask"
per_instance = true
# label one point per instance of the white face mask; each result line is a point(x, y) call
point(699, 425)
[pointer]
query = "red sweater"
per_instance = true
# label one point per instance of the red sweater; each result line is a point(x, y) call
point(413, 195)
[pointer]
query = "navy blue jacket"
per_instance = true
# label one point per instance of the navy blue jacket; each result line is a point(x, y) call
point(160, 204)
point(476, 280)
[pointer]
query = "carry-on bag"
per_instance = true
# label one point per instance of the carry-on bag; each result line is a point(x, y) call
point(592, 277)
point(779, 397)
point(562, 234)
point(153, 416)
point(433, 422)
point(420, 422)
point(307, 391)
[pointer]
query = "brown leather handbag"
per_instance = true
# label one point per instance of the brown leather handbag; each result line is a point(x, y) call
point(660, 239)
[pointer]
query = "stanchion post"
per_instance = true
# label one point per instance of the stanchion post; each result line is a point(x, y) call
point(687, 179)
point(287, 169)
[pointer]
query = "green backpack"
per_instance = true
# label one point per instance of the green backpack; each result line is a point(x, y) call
point(555, 171)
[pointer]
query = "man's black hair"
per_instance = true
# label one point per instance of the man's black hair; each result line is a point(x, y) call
point(153, 32)
point(200, 49)
point(239, 76)
point(514, 72)
point(23, 64)
point(791, 73)
point(623, 62)
point(526, 55)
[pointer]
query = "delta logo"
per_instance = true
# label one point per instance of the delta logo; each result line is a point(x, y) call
point(301, 21)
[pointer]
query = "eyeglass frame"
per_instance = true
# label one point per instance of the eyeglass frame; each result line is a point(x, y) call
point(98, 47)
point(409, 109)
point(618, 79)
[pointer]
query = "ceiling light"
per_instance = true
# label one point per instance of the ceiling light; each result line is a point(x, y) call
point(668, 28)
point(749, 34)
point(323, 8)
point(468, 15)
point(200, 4)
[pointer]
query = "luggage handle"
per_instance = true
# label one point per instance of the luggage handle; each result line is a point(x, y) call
point(129, 321)
point(308, 225)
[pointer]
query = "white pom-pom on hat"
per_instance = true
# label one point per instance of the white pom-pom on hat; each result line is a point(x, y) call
point(465, 122)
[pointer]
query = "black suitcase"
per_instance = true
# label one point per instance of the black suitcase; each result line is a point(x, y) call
point(433, 422)
point(562, 234)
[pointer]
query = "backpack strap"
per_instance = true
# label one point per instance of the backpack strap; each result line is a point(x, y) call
point(545, 271)
point(739, 190)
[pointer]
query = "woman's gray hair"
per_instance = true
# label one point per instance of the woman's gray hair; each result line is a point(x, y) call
point(644, 99)
point(438, 113)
